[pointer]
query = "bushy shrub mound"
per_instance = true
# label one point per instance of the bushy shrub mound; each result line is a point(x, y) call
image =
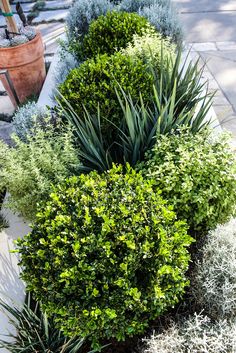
point(214, 280)
point(95, 81)
point(106, 255)
point(152, 47)
point(196, 174)
point(110, 33)
point(197, 334)
point(29, 169)
point(81, 15)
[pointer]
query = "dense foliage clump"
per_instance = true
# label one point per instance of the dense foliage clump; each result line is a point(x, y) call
point(110, 33)
point(94, 84)
point(29, 169)
point(106, 255)
point(213, 282)
point(196, 173)
point(195, 334)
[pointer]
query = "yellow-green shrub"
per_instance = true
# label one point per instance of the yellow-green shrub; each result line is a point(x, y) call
point(106, 255)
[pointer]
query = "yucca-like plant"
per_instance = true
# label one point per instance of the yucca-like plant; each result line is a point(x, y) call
point(180, 99)
point(35, 332)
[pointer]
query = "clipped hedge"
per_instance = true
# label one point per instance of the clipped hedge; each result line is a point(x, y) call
point(106, 255)
point(197, 174)
point(95, 81)
point(110, 33)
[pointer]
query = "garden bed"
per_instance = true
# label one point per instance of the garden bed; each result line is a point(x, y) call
point(125, 182)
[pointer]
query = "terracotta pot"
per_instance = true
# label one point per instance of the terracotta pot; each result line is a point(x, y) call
point(26, 68)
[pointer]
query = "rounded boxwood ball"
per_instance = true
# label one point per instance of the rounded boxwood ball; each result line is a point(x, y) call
point(94, 84)
point(109, 33)
point(106, 255)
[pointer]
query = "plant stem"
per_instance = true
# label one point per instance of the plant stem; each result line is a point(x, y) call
point(10, 20)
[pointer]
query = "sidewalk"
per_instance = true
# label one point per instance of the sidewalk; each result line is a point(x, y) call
point(210, 28)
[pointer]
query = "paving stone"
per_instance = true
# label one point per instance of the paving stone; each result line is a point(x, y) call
point(23, 1)
point(11, 287)
point(49, 5)
point(6, 106)
point(229, 124)
point(223, 112)
point(204, 46)
point(51, 16)
point(226, 45)
point(220, 100)
point(55, 4)
point(209, 26)
point(48, 29)
point(205, 5)
point(224, 54)
point(224, 71)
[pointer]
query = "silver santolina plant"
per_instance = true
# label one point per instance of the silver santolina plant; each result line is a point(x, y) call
point(196, 334)
point(213, 284)
point(18, 40)
point(66, 63)
point(82, 13)
point(160, 13)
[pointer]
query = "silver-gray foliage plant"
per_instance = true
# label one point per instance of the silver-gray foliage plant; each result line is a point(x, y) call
point(82, 13)
point(136, 5)
point(196, 334)
point(66, 63)
point(26, 118)
point(213, 284)
point(26, 34)
point(28, 31)
point(18, 40)
point(160, 13)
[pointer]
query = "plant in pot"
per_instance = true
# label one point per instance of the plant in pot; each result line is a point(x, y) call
point(21, 56)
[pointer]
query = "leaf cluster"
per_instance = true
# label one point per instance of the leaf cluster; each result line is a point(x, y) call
point(109, 33)
point(213, 281)
point(178, 100)
point(35, 332)
point(196, 334)
point(106, 255)
point(29, 169)
point(94, 84)
point(196, 173)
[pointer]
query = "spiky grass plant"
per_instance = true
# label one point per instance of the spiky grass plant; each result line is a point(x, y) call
point(35, 332)
point(179, 100)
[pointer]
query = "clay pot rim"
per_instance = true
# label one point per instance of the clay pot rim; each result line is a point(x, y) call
point(22, 45)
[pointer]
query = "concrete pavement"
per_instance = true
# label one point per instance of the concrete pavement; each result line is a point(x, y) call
point(210, 29)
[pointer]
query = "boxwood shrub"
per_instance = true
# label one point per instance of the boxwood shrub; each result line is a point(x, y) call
point(197, 174)
point(106, 255)
point(110, 33)
point(94, 82)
